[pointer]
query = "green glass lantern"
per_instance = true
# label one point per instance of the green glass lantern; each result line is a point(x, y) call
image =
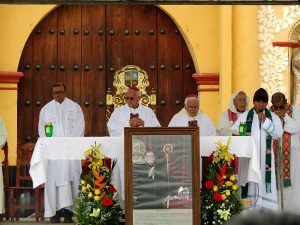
point(243, 129)
point(48, 129)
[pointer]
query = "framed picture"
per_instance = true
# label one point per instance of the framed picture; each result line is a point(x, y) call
point(162, 176)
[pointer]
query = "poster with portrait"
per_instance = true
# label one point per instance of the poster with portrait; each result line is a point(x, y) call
point(162, 182)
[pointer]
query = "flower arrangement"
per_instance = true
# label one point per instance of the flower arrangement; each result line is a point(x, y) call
point(97, 202)
point(219, 194)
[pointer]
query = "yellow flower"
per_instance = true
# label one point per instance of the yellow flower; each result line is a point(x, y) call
point(215, 188)
point(227, 192)
point(223, 197)
point(82, 182)
point(97, 191)
point(235, 187)
point(228, 183)
point(88, 186)
point(96, 198)
point(232, 178)
point(90, 195)
point(83, 188)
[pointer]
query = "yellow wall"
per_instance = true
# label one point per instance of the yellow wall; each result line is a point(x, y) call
point(246, 51)
point(221, 39)
point(8, 104)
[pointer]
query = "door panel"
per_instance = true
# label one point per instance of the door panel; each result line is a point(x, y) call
point(69, 50)
point(45, 61)
point(119, 43)
point(144, 41)
point(170, 64)
point(84, 45)
point(93, 61)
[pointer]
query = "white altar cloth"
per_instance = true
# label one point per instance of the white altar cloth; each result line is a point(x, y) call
point(113, 147)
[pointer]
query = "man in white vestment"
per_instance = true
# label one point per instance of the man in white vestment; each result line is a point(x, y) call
point(289, 146)
point(132, 114)
point(238, 104)
point(63, 176)
point(3, 137)
point(264, 126)
point(191, 116)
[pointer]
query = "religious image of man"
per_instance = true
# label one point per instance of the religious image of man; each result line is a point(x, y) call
point(289, 148)
point(190, 115)
point(132, 114)
point(238, 104)
point(3, 138)
point(264, 126)
point(63, 176)
point(149, 183)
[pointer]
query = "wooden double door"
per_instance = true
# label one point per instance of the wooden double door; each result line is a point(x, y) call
point(84, 45)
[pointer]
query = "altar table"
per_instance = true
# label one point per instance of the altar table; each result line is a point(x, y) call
point(54, 148)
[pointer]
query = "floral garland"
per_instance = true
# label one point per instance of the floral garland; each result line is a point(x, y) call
point(97, 202)
point(219, 194)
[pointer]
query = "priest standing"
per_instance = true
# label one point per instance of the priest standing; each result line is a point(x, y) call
point(191, 116)
point(264, 126)
point(132, 114)
point(63, 176)
point(289, 146)
point(237, 105)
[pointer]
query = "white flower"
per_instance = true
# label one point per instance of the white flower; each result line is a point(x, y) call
point(224, 214)
point(96, 213)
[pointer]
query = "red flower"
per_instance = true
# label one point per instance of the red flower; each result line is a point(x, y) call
point(111, 189)
point(106, 201)
point(209, 184)
point(211, 157)
point(235, 164)
point(85, 167)
point(217, 197)
point(107, 162)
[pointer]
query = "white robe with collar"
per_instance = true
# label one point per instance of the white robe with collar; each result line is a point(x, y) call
point(260, 198)
point(291, 197)
point(63, 176)
point(182, 118)
point(121, 116)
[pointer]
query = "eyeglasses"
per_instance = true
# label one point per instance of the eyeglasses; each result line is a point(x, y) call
point(57, 92)
point(129, 98)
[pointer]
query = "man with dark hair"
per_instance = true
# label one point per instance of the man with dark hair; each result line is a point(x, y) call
point(63, 176)
point(264, 126)
point(149, 183)
point(264, 217)
point(289, 148)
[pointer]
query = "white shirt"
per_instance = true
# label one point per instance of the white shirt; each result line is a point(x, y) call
point(67, 119)
point(259, 131)
point(63, 176)
point(205, 124)
point(121, 116)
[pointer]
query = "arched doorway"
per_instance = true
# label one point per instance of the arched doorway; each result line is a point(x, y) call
point(84, 45)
